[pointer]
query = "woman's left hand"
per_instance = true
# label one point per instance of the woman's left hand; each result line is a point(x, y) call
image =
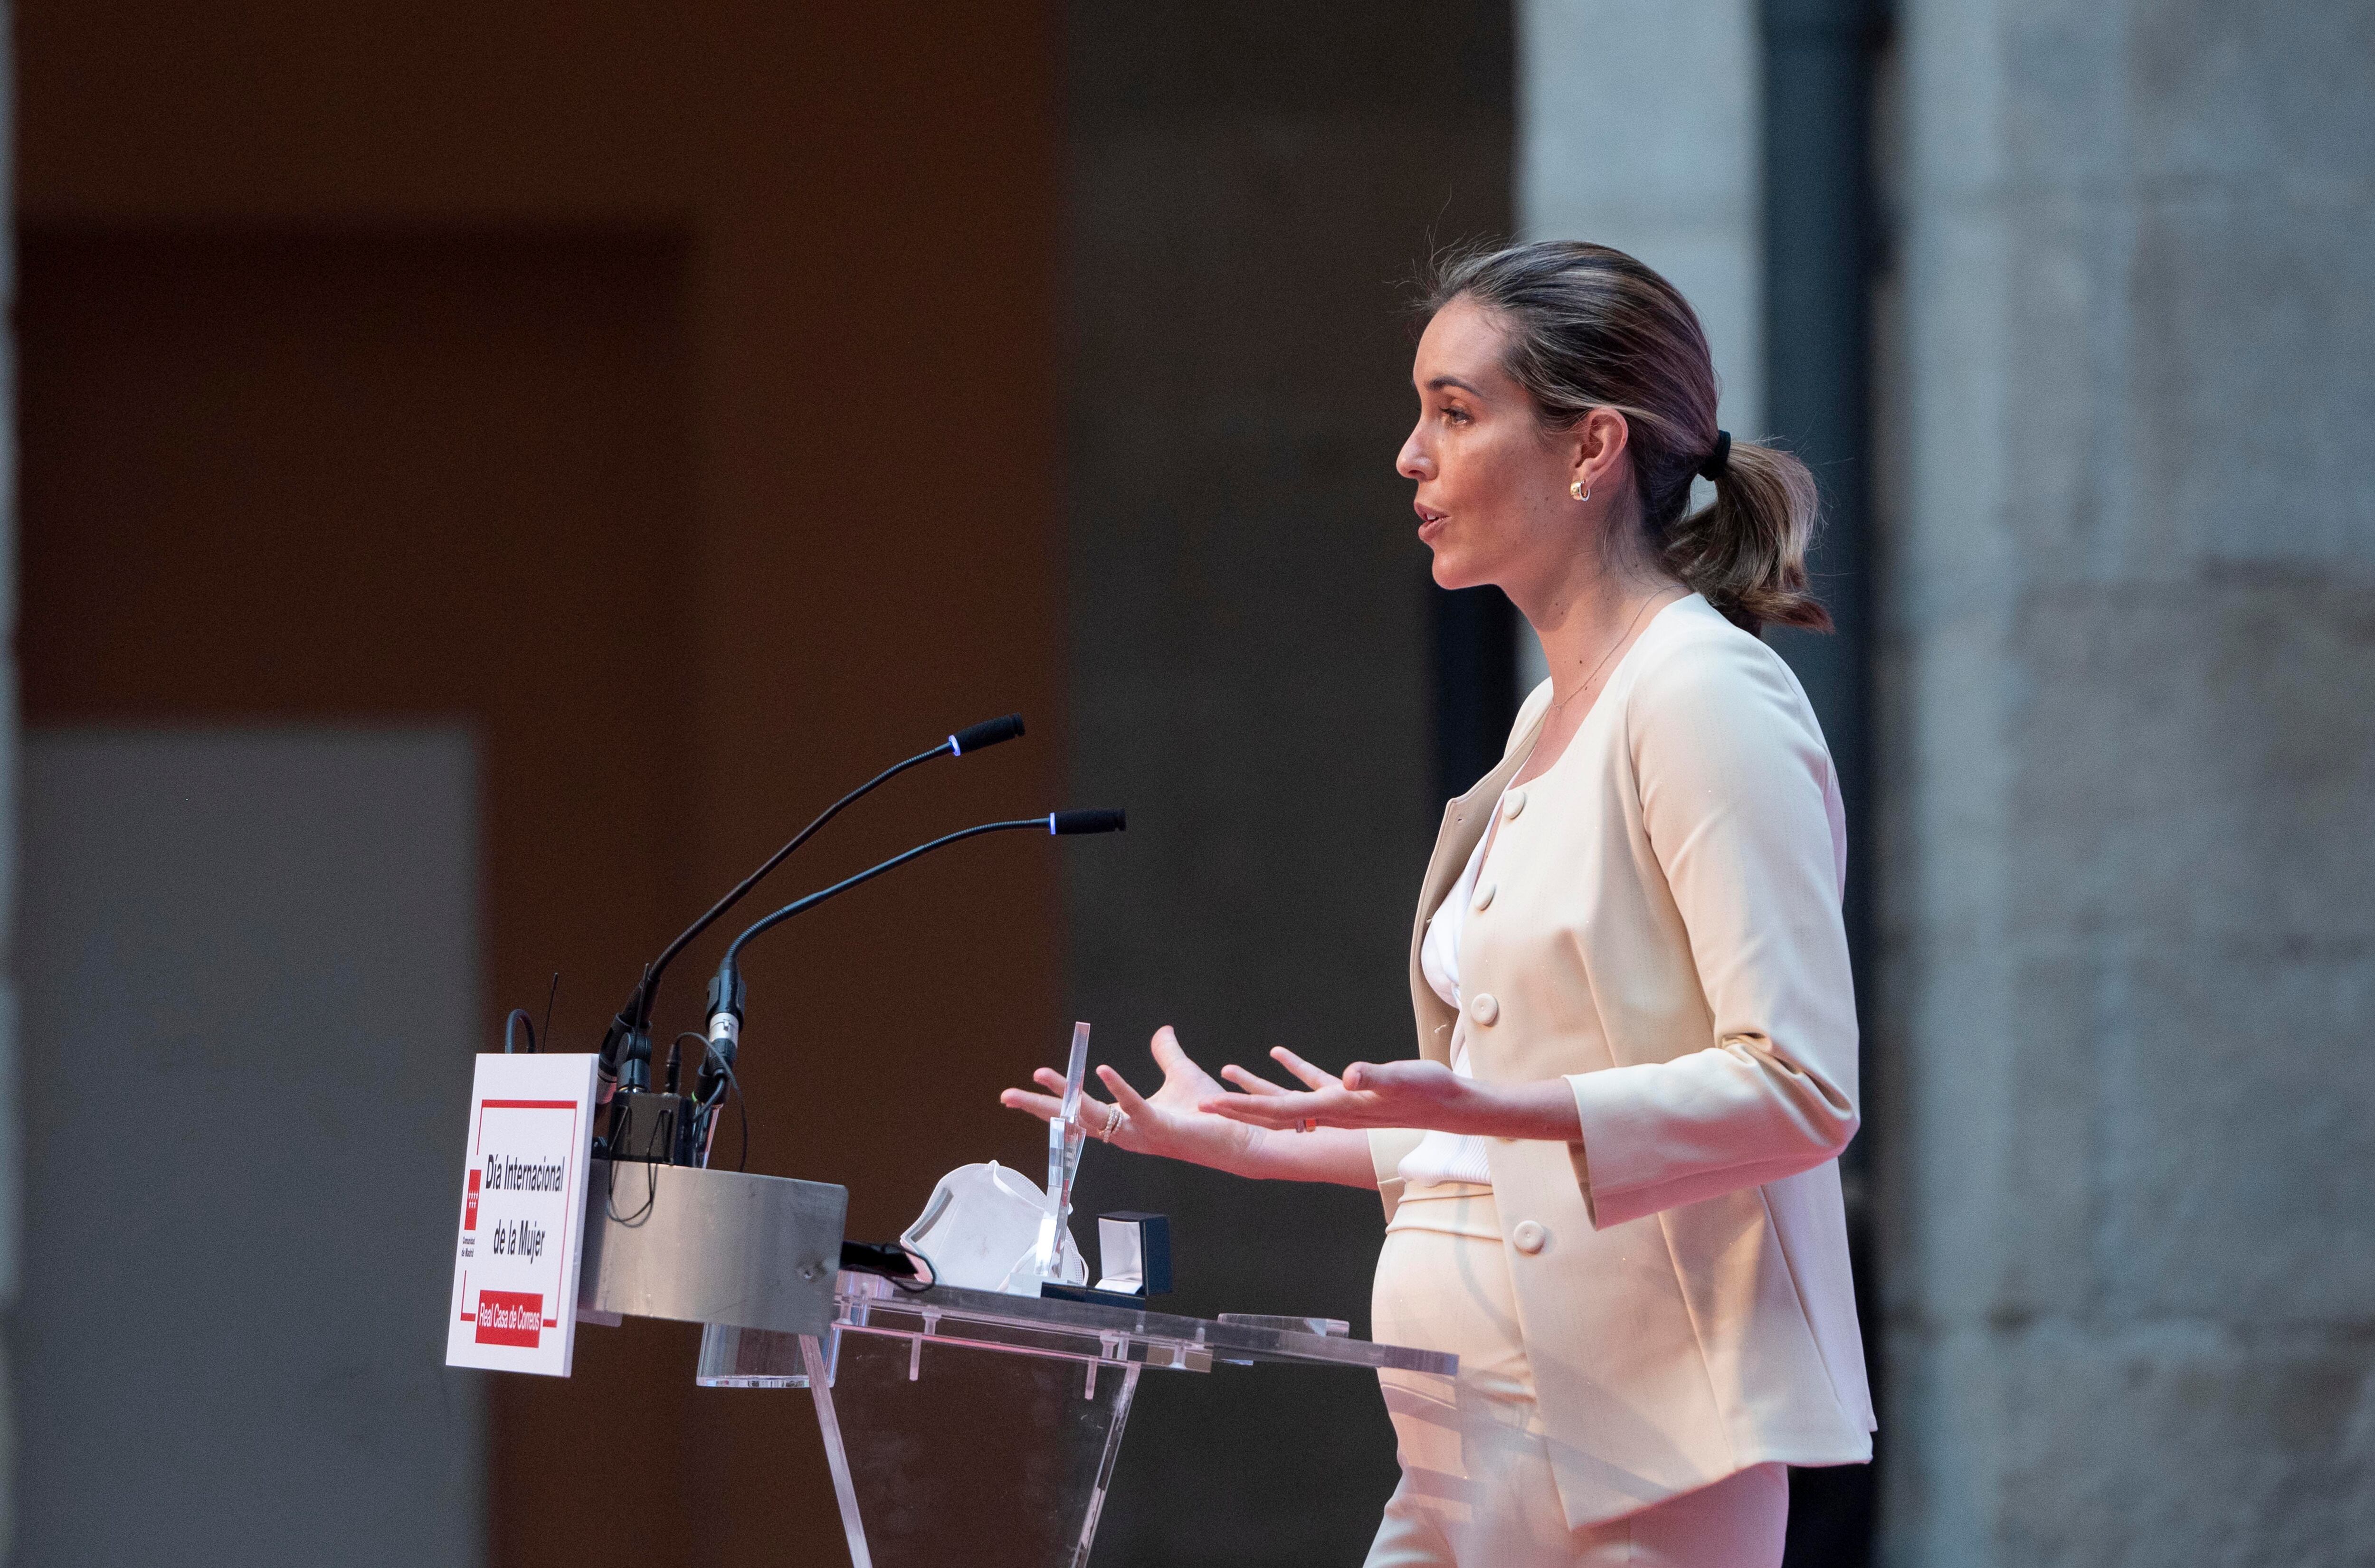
point(1388, 1095)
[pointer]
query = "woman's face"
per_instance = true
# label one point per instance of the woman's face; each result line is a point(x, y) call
point(1492, 499)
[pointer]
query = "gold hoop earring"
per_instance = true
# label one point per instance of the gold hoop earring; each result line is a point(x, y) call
point(1578, 491)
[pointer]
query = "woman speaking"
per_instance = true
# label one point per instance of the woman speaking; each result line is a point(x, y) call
point(1611, 1175)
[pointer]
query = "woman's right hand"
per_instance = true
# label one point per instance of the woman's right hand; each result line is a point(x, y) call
point(1167, 1122)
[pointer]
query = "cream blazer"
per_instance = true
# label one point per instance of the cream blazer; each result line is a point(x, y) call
point(1663, 931)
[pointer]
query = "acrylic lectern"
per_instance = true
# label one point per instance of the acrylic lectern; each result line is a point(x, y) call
point(959, 1425)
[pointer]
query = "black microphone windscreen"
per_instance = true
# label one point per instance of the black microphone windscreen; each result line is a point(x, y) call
point(990, 732)
point(1109, 820)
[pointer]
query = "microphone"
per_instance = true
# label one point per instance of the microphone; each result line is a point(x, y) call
point(988, 733)
point(626, 1054)
point(726, 992)
point(1108, 819)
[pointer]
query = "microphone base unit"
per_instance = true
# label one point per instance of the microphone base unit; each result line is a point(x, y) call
point(712, 1247)
point(652, 1129)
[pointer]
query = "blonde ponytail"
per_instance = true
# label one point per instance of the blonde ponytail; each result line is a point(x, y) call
point(1746, 552)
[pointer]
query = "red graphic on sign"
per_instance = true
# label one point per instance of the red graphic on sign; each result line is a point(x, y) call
point(470, 1205)
point(510, 1317)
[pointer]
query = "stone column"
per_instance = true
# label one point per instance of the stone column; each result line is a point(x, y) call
point(2129, 740)
point(1639, 126)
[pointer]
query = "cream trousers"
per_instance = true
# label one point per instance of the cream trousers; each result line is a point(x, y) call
point(1476, 1489)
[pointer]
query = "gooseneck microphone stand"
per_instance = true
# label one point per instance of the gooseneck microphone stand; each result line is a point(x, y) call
point(626, 1057)
point(725, 989)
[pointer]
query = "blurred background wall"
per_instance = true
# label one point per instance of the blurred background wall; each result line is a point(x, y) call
point(1249, 189)
point(1254, 650)
point(678, 412)
point(2129, 709)
point(12, 1152)
point(252, 959)
point(665, 398)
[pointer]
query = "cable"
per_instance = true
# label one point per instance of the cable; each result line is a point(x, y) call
point(610, 1193)
point(652, 1158)
point(517, 1019)
point(929, 1267)
point(733, 1084)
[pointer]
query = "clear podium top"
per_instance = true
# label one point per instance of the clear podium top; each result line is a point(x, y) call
point(1094, 1331)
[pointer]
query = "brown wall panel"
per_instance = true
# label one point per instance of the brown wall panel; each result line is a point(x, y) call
point(270, 478)
point(669, 389)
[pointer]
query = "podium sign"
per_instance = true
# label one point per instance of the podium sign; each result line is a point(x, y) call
point(523, 1231)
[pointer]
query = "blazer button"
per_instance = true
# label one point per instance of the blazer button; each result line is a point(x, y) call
point(1514, 804)
point(1484, 1009)
point(1529, 1237)
point(1484, 896)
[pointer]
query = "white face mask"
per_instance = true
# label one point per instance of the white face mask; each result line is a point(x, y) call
point(981, 1230)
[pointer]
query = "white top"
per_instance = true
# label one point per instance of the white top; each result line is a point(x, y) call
point(1442, 1156)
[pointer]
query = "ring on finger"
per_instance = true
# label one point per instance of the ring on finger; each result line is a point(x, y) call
point(1307, 1124)
point(1114, 1117)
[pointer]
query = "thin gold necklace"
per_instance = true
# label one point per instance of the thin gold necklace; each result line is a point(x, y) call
point(1603, 665)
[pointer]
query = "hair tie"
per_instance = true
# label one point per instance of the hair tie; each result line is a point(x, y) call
point(1720, 459)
